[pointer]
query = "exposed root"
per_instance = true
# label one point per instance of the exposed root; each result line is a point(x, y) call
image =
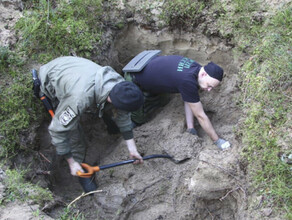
point(83, 195)
point(237, 188)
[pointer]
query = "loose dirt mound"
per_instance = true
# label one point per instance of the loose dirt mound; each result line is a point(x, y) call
point(161, 189)
point(207, 184)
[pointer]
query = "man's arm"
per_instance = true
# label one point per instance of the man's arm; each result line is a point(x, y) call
point(189, 116)
point(133, 151)
point(123, 121)
point(199, 113)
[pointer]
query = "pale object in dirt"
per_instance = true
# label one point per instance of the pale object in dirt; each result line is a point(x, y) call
point(222, 144)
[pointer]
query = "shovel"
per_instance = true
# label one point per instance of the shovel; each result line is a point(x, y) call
point(91, 170)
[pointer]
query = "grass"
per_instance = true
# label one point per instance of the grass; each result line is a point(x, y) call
point(266, 98)
point(241, 23)
point(18, 189)
point(184, 14)
point(49, 30)
point(8, 59)
point(18, 109)
point(71, 214)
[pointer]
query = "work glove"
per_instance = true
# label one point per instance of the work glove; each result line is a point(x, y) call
point(192, 131)
point(222, 144)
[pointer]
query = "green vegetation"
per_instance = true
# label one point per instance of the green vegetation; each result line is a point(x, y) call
point(8, 59)
point(17, 106)
point(17, 188)
point(71, 214)
point(18, 111)
point(266, 96)
point(183, 14)
point(242, 23)
point(49, 31)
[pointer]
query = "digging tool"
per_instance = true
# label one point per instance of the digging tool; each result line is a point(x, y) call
point(92, 169)
point(42, 97)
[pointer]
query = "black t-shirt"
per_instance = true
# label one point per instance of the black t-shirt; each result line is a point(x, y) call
point(171, 74)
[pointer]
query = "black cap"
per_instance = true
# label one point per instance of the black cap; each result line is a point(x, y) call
point(126, 96)
point(214, 71)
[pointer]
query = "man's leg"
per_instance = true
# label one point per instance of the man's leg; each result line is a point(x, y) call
point(151, 103)
point(154, 101)
point(137, 116)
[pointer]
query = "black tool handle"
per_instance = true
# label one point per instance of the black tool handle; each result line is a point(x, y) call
point(133, 160)
point(36, 83)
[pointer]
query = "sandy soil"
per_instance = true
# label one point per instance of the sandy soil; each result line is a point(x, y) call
point(205, 183)
point(9, 15)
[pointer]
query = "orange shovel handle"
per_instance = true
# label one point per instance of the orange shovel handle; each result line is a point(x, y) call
point(90, 170)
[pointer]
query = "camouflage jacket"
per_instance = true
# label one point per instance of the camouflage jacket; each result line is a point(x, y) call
point(75, 85)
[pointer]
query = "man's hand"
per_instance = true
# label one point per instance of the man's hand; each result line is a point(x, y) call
point(222, 144)
point(133, 151)
point(136, 155)
point(192, 131)
point(74, 166)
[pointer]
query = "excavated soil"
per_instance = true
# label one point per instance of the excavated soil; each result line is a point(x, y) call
point(204, 183)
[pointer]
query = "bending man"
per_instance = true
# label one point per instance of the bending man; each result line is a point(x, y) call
point(177, 74)
point(75, 85)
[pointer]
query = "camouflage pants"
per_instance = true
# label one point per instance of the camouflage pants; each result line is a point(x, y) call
point(151, 103)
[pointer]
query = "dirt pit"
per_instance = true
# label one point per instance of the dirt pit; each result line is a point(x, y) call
point(206, 184)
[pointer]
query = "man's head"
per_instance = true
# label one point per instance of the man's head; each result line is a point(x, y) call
point(210, 76)
point(126, 96)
